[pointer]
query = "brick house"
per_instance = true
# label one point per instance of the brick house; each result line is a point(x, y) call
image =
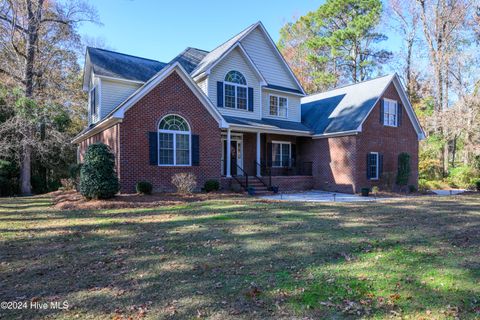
point(241, 99)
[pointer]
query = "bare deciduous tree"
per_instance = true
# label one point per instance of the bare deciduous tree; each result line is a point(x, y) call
point(37, 39)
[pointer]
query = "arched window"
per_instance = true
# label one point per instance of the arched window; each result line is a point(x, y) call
point(235, 90)
point(174, 141)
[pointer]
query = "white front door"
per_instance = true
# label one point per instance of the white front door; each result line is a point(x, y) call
point(236, 159)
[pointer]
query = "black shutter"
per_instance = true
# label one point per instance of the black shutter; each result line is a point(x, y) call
point(368, 166)
point(153, 148)
point(399, 114)
point(380, 165)
point(269, 154)
point(382, 110)
point(294, 155)
point(250, 99)
point(219, 94)
point(195, 150)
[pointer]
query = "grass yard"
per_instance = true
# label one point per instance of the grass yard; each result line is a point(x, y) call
point(242, 258)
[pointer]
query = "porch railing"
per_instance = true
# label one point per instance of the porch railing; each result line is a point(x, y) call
point(286, 168)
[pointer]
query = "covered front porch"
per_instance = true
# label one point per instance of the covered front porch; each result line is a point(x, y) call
point(266, 158)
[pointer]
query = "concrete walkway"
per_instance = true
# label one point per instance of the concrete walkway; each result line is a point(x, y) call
point(451, 192)
point(318, 196)
point(324, 196)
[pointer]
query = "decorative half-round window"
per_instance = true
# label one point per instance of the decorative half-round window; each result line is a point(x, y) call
point(235, 88)
point(174, 141)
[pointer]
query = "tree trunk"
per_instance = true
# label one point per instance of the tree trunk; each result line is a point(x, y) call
point(25, 170)
point(34, 17)
point(454, 150)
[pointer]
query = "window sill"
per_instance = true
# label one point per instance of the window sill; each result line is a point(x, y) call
point(236, 109)
point(174, 165)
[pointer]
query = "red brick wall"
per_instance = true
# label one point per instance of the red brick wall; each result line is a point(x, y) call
point(109, 137)
point(389, 141)
point(339, 163)
point(292, 183)
point(172, 96)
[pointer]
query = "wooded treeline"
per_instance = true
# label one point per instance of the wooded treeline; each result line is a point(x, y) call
point(345, 41)
point(41, 103)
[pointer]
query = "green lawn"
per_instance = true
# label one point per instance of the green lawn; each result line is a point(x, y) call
point(241, 258)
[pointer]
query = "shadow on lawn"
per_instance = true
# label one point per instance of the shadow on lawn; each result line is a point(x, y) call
point(235, 259)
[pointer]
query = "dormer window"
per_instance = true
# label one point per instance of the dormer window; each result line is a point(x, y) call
point(94, 101)
point(235, 88)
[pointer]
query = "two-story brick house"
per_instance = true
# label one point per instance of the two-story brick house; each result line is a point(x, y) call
point(238, 114)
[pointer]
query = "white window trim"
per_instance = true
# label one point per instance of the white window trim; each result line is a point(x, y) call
point(377, 166)
point(278, 106)
point(175, 132)
point(385, 119)
point(289, 154)
point(235, 85)
point(95, 87)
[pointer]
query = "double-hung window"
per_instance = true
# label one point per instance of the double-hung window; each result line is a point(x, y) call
point(390, 113)
point(278, 106)
point(174, 140)
point(373, 165)
point(236, 91)
point(281, 154)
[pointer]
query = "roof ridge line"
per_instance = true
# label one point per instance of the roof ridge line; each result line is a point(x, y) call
point(351, 84)
point(125, 54)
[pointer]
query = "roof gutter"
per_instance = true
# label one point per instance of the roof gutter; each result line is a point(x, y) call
point(102, 125)
point(336, 134)
point(249, 128)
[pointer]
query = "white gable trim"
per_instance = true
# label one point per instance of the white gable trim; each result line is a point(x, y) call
point(406, 103)
point(262, 27)
point(162, 75)
point(118, 113)
point(263, 82)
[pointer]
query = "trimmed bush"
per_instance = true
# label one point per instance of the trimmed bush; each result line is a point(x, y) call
point(98, 179)
point(211, 185)
point(144, 187)
point(403, 173)
point(477, 184)
point(184, 182)
point(364, 192)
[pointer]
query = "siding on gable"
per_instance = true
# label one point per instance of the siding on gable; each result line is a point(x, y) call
point(293, 113)
point(267, 60)
point(115, 92)
point(203, 84)
point(236, 61)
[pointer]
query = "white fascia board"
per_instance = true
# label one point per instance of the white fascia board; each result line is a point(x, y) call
point(87, 72)
point(272, 43)
point(284, 92)
point(120, 80)
point(237, 44)
point(247, 128)
point(336, 134)
point(149, 85)
point(102, 125)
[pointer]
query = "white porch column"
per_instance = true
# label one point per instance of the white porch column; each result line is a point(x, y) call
point(258, 155)
point(228, 153)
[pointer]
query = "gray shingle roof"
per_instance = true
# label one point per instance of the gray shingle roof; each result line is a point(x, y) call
point(344, 108)
point(190, 58)
point(118, 65)
point(268, 123)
